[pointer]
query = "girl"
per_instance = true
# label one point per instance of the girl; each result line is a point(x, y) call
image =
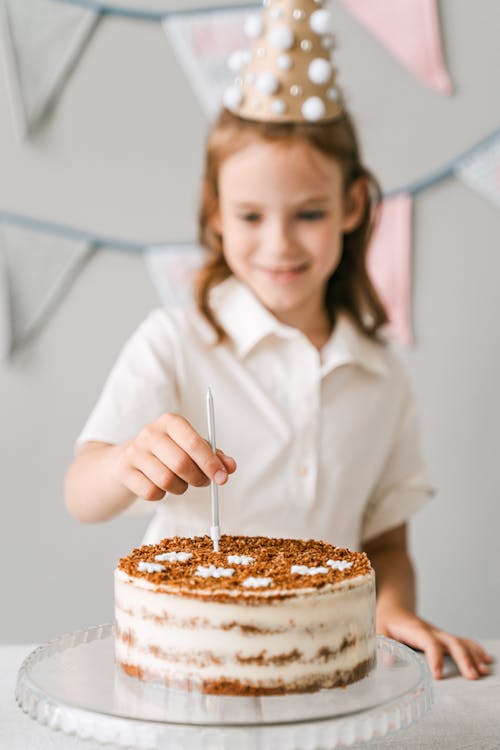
point(286, 331)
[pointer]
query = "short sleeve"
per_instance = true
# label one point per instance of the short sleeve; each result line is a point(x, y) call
point(403, 486)
point(140, 387)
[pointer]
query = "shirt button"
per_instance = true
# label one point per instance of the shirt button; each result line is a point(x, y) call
point(302, 470)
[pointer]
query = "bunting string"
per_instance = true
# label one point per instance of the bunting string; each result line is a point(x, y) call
point(155, 15)
point(449, 169)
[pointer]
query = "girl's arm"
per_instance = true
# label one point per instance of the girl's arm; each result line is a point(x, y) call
point(167, 455)
point(91, 488)
point(396, 616)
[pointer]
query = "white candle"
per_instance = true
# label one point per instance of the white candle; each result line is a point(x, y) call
point(214, 490)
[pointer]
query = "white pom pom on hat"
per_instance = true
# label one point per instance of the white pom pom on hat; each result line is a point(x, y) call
point(320, 70)
point(254, 26)
point(233, 97)
point(282, 37)
point(321, 21)
point(313, 109)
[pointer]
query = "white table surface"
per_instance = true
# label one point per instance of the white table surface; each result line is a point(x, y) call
point(465, 714)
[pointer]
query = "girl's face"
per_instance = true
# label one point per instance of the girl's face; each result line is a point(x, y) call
point(282, 215)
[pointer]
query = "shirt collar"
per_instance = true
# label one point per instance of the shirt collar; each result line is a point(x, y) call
point(243, 316)
point(248, 322)
point(348, 345)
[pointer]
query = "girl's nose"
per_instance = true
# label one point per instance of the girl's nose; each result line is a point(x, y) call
point(279, 235)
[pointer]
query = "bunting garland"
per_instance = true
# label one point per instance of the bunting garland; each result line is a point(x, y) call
point(38, 276)
point(42, 42)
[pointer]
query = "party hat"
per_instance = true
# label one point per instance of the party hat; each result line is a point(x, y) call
point(287, 75)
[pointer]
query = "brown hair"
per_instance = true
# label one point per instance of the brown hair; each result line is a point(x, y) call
point(349, 287)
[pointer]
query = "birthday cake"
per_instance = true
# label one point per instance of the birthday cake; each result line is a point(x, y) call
point(259, 617)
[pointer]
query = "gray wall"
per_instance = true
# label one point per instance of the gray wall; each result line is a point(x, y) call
point(121, 155)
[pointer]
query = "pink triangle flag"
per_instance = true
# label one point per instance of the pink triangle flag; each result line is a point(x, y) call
point(389, 264)
point(410, 30)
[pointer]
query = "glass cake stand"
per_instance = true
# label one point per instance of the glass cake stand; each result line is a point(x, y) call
point(72, 684)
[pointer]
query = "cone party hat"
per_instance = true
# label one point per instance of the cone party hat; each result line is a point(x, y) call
point(287, 75)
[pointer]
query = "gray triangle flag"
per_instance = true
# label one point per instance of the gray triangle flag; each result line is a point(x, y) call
point(36, 269)
point(480, 170)
point(41, 42)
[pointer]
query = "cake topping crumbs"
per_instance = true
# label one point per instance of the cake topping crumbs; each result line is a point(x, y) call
point(211, 571)
point(272, 558)
point(339, 564)
point(149, 567)
point(256, 583)
point(305, 570)
point(240, 559)
point(174, 556)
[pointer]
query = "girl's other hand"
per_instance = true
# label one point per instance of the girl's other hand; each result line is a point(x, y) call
point(470, 657)
point(168, 455)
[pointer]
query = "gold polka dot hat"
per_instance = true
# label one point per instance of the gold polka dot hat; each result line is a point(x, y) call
point(287, 74)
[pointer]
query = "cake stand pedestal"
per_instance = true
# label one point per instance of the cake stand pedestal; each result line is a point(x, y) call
point(72, 684)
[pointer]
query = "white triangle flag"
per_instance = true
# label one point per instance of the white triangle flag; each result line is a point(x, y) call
point(36, 268)
point(202, 42)
point(172, 269)
point(481, 169)
point(41, 42)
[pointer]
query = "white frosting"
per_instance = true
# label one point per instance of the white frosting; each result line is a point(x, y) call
point(304, 570)
point(339, 564)
point(164, 624)
point(149, 567)
point(174, 556)
point(255, 583)
point(210, 571)
point(240, 559)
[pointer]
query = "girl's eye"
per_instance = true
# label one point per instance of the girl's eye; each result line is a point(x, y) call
point(251, 217)
point(311, 215)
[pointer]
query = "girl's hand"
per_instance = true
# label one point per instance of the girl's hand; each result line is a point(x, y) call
point(167, 456)
point(470, 658)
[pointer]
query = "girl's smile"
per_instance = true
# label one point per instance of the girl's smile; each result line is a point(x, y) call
point(285, 274)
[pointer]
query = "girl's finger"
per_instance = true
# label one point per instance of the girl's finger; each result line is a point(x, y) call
point(461, 655)
point(171, 456)
point(162, 476)
point(481, 658)
point(141, 486)
point(196, 447)
point(228, 461)
point(480, 652)
point(482, 667)
point(434, 652)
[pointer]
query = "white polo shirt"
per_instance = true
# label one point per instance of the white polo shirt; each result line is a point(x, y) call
point(326, 442)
